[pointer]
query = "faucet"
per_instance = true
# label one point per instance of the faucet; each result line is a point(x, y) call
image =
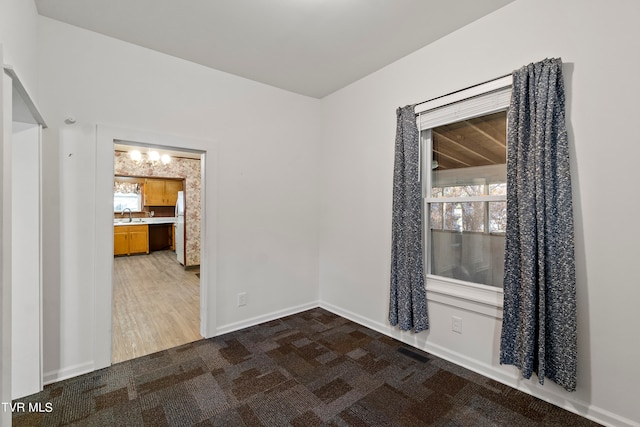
point(127, 209)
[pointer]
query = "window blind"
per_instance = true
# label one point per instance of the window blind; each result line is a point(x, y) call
point(478, 100)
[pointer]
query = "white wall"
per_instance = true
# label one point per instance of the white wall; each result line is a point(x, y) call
point(266, 142)
point(598, 44)
point(17, 48)
point(26, 375)
point(18, 30)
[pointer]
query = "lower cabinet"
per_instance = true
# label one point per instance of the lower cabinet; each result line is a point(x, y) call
point(160, 236)
point(130, 239)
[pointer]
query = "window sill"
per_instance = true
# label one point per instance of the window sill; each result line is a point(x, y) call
point(481, 299)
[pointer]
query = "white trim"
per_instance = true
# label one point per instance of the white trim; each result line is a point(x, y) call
point(208, 250)
point(426, 159)
point(25, 109)
point(500, 374)
point(236, 326)
point(468, 199)
point(457, 293)
point(6, 115)
point(361, 320)
point(474, 175)
point(40, 258)
point(68, 372)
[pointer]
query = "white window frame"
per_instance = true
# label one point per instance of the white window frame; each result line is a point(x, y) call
point(139, 199)
point(480, 100)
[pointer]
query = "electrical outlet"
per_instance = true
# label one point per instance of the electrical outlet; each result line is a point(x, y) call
point(456, 324)
point(242, 299)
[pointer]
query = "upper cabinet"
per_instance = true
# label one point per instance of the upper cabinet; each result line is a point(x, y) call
point(171, 188)
point(161, 192)
point(154, 192)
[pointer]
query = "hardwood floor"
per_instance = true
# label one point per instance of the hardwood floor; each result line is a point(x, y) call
point(156, 305)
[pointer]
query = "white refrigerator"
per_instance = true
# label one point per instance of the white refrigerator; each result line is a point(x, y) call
point(180, 227)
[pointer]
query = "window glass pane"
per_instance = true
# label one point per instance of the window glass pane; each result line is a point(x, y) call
point(463, 191)
point(131, 201)
point(497, 217)
point(472, 257)
point(466, 255)
point(461, 216)
point(469, 157)
point(498, 189)
point(436, 215)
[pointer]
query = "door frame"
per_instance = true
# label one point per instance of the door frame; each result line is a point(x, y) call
point(18, 110)
point(6, 115)
point(106, 136)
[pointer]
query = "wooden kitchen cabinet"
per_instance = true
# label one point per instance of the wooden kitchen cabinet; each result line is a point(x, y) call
point(120, 240)
point(161, 192)
point(171, 188)
point(130, 239)
point(154, 192)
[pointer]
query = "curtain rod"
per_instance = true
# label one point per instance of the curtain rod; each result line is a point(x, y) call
point(463, 89)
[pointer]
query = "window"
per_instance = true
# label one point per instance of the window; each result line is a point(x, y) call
point(127, 194)
point(127, 201)
point(464, 187)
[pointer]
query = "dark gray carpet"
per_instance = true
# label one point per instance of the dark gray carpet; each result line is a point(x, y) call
point(310, 369)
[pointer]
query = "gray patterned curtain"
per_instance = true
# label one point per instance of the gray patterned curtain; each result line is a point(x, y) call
point(408, 300)
point(539, 324)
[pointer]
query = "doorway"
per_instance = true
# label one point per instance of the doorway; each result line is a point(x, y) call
point(156, 269)
point(106, 137)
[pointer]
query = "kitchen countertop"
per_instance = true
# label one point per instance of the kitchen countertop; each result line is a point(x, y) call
point(139, 221)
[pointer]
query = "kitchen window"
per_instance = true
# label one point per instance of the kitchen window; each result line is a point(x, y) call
point(127, 201)
point(127, 195)
point(464, 186)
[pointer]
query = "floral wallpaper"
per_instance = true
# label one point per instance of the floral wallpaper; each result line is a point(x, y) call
point(189, 170)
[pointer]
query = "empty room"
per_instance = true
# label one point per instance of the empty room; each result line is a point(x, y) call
point(401, 215)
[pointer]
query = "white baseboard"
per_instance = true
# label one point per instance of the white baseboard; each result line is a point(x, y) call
point(66, 373)
point(576, 406)
point(231, 327)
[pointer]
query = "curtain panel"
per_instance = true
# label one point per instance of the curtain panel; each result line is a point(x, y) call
point(539, 322)
point(408, 300)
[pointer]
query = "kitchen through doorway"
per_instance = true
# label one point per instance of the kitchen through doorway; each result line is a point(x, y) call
point(156, 266)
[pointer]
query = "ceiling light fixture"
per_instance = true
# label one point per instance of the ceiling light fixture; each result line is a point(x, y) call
point(152, 157)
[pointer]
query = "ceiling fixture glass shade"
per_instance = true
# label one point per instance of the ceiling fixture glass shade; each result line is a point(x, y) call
point(135, 155)
point(165, 159)
point(154, 156)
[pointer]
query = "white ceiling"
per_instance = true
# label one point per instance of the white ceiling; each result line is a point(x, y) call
point(311, 47)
